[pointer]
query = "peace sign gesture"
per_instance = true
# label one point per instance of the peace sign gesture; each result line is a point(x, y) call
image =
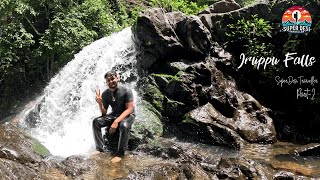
point(98, 97)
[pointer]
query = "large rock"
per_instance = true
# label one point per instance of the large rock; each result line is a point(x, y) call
point(213, 127)
point(233, 117)
point(21, 156)
point(231, 131)
point(194, 35)
point(14, 170)
point(15, 145)
point(308, 150)
point(157, 35)
point(167, 93)
point(163, 171)
point(238, 168)
point(221, 7)
point(74, 166)
point(217, 22)
point(168, 35)
point(148, 126)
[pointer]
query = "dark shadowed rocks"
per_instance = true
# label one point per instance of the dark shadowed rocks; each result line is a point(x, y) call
point(308, 150)
point(233, 117)
point(221, 7)
point(283, 175)
point(170, 35)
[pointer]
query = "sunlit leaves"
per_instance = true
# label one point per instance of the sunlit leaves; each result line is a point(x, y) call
point(251, 34)
point(185, 6)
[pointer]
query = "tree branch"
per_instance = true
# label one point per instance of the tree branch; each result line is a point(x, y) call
point(35, 30)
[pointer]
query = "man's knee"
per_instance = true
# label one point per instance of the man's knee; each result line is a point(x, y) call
point(96, 122)
point(123, 126)
point(127, 123)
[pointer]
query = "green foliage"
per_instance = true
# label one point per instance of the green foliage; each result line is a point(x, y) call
point(65, 37)
point(134, 14)
point(168, 77)
point(185, 6)
point(244, 3)
point(206, 2)
point(15, 40)
point(97, 15)
point(250, 35)
point(38, 37)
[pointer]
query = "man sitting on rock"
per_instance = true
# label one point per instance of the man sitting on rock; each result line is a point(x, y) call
point(121, 118)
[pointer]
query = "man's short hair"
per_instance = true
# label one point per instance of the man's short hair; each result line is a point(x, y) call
point(110, 73)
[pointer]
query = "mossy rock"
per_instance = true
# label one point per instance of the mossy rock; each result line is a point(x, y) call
point(19, 146)
point(150, 92)
point(148, 125)
point(40, 149)
point(37, 147)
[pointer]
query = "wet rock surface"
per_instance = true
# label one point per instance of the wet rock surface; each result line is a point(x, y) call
point(16, 146)
point(189, 83)
point(308, 150)
point(175, 160)
point(203, 46)
point(13, 170)
point(229, 112)
point(176, 85)
point(221, 7)
point(74, 166)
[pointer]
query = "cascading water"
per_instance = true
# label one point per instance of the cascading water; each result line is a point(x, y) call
point(67, 108)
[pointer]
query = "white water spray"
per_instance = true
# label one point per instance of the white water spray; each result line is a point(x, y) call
point(64, 124)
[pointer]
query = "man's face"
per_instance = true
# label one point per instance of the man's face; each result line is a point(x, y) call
point(112, 81)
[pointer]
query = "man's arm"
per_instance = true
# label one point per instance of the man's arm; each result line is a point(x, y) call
point(123, 115)
point(100, 103)
point(102, 109)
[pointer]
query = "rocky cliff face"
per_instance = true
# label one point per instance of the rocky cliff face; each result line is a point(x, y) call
point(187, 81)
point(185, 65)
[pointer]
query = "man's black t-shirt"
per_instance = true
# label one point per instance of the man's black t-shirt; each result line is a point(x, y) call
point(117, 99)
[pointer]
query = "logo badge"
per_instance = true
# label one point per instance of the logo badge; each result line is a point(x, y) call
point(296, 20)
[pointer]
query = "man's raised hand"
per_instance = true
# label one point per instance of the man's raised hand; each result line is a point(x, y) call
point(98, 97)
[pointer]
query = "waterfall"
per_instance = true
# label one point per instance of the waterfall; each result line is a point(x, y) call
point(64, 114)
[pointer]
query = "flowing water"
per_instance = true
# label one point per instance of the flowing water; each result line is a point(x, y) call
point(61, 117)
point(67, 107)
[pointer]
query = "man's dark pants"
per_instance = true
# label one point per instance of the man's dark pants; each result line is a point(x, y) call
point(123, 128)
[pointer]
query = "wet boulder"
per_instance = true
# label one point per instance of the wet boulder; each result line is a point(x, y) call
point(16, 145)
point(156, 34)
point(232, 132)
point(238, 168)
point(169, 93)
point(212, 127)
point(192, 171)
point(74, 166)
point(233, 116)
point(159, 171)
point(147, 126)
point(163, 36)
point(221, 7)
point(194, 36)
point(283, 175)
point(13, 170)
point(294, 167)
point(308, 150)
point(217, 22)
point(150, 91)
